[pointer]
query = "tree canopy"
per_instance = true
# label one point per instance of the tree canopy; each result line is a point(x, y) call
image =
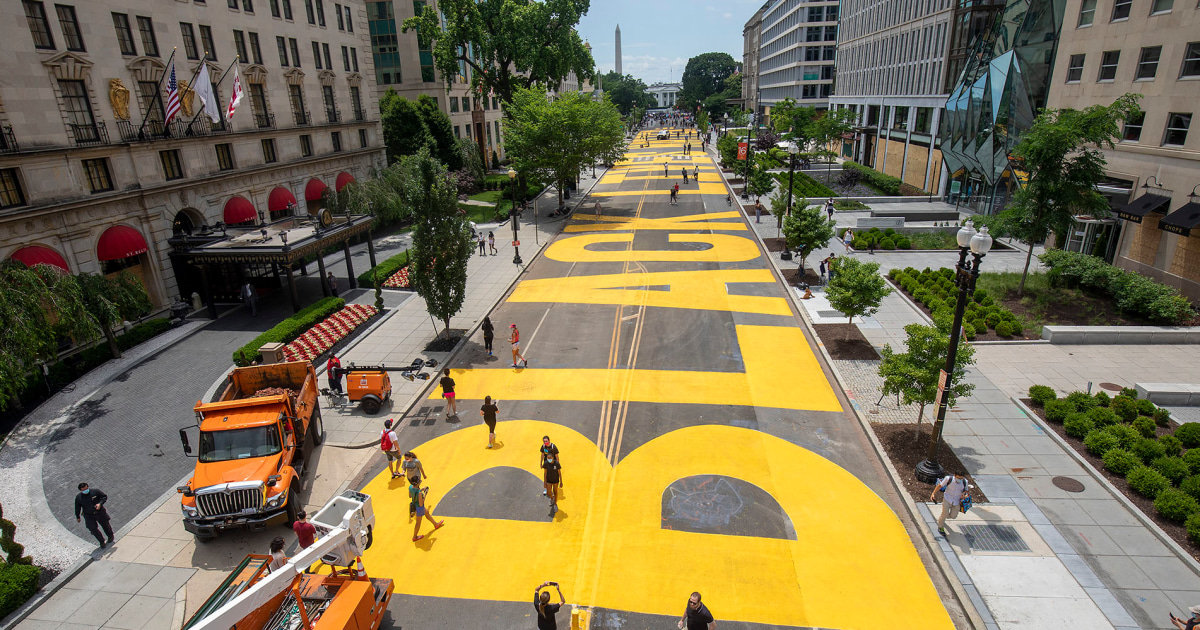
point(808, 228)
point(506, 45)
point(627, 93)
point(857, 289)
point(704, 77)
point(410, 125)
point(914, 373)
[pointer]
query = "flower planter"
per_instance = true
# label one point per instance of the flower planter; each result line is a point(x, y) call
point(331, 330)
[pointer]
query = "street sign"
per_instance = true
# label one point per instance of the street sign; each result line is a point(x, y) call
point(516, 243)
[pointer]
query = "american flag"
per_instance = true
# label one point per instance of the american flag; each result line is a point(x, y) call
point(236, 97)
point(172, 95)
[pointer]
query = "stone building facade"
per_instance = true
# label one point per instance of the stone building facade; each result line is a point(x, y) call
point(91, 179)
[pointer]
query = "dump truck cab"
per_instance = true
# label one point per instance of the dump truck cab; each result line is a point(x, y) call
point(252, 449)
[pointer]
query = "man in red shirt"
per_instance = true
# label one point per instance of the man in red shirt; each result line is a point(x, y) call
point(335, 378)
point(306, 533)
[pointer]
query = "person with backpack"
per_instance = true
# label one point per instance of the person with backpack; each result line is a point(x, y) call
point(390, 445)
point(954, 489)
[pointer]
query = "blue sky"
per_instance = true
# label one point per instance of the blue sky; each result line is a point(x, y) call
point(660, 35)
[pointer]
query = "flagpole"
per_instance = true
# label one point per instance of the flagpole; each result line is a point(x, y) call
point(195, 74)
point(157, 96)
point(218, 84)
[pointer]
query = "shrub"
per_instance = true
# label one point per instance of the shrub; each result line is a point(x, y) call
point(1145, 407)
point(1192, 459)
point(979, 295)
point(383, 270)
point(18, 582)
point(1193, 527)
point(1004, 329)
point(1017, 327)
point(1099, 443)
point(1144, 425)
point(1189, 434)
point(886, 184)
point(1102, 398)
point(289, 329)
point(887, 243)
point(1058, 410)
point(1124, 407)
point(1162, 417)
point(1191, 485)
point(1132, 292)
point(1082, 401)
point(1119, 461)
point(1126, 435)
point(1102, 416)
point(1078, 425)
point(1173, 468)
point(993, 319)
point(1171, 444)
point(859, 243)
point(1147, 482)
point(1128, 391)
point(903, 243)
point(1041, 394)
point(1148, 450)
point(1175, 505)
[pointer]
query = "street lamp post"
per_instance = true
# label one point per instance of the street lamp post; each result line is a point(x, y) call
point(966, 273)
point(792, 150)
point(749, 157)
point(512, 216)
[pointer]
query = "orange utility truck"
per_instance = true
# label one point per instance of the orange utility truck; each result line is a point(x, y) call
point(253, 446)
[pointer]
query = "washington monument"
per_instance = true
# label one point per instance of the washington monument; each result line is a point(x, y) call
point(619, 51)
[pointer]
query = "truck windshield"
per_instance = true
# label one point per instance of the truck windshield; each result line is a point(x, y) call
point(219, 446)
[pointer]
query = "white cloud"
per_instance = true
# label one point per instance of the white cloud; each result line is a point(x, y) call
point(651, 69)
point(727, 15)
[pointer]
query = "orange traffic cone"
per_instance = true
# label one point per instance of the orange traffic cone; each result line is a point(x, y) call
point(359, 570)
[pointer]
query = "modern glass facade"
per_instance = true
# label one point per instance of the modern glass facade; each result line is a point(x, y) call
point(381, 20)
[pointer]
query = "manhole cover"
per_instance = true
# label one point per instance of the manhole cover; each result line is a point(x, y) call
point(1068, 484)
point(830, 314)
point(993, 538)
point(1112, 387)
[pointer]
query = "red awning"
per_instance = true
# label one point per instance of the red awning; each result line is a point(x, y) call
point(314, 189)
point(120, 241)
point(343, 179)
point(239, 210)
point(279, 199)
point(37, 255)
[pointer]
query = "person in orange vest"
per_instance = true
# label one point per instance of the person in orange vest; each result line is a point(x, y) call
point(335, 377)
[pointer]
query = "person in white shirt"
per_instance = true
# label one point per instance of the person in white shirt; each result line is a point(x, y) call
point(953, 489)
point(278, 559)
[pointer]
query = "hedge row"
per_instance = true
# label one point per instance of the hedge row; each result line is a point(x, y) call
point(18, 582)
point(883, 239)
point(1131, 291)
point(385, 269)
point(288, 330)
point(882, 182)
point(935, 289)
point(804, 186)
point(1121, 430)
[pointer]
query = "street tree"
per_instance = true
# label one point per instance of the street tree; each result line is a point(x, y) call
point(856, 289)
point(913, 374)
point(1062, 153)
point(111, 301)
point(507, 44)
point(704, 76)
point(627, 93)
point(794, 123)
point(404, 128)
point(442, 132)
point(827, 130)
point(718, 103)
point(761, 183)
point(807, 229)
point(442, 243)
point(738, 118)
point(727, 150)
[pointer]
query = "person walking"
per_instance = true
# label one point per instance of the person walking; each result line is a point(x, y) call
point(389, 443)
point(90, 504)
point(489, 411)
point(306, 532)
point(674, 194)
point(665, 174)
point(953, 488)
point(482, 245)
point(332, 284)
point(447, 384)
point(685, 175)
point(829, 207)
point(489, 333)
point(546, 610)
point(421, 512)
point(696, 173)
point(250, 297)
point(333, 371)
point(551, 472)
point(847, 240)
point(514, 337)
point(599, 210)
point(492, 243)
point(1191, 623)
point(758, 208)
point(829, 263)
point(822, 268)
point(278, 558)
point(696, 615)
point(414, 472)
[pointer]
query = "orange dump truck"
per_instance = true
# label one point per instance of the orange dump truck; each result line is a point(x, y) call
point(252, 449)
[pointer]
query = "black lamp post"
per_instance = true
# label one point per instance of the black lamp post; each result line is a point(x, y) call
point(512, 216)
point(749, 156)
point(966, 273)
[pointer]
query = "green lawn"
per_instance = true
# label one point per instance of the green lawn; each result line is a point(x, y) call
point(490, 196)
point(933, 240)
point(480, 214)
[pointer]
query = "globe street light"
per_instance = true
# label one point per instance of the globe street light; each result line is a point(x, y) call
point(966, 273)
point(792, 150)
point(512, 216)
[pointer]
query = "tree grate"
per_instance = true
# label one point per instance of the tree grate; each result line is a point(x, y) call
point(993, 538)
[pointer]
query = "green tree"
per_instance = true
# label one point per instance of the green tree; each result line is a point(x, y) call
point(702, 121)
point(761, 183)
point(808, 228)
point(739, 118)
point(507, 45)
point(1062, 153)
point(794, 123)
point(705, 76)
point(627, 93)
point(472, 159)
point(442, 132)
point(404, 129)
point(442, 243)
point(914, 374)
point(827, 131)
point(113, 300)
point(717, 104)
point(727, 150)
point(857, 289)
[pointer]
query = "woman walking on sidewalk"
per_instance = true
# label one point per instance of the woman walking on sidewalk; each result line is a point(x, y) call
point(492, 243)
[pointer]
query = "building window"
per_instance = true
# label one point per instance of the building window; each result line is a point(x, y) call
point(239, 44)
point(149, 41)
point(1191, 61)
point(1148, 62)
point(467, 104)
point(78, 107)
point(258, 104)
point(281, 44)
point(900, 120)
point(1075, 69)
point(485, 104)
point(330, 106)
point(1108, 65)
point(268, 146)
point(233, 4)
point(831, 33)
point(497, 132)
point(321, 12)
point(1133, 127)
point(1161, 6)
point(336, 137)
point(189, 41)
point(1177, 129)
point(328, 59)
point(356, 103)
point(10, 189)
point(1121, 9)
point(225, 157)
point(346, 58)
point(812, 53)
point(337, 10)
point(206, 38)
point(287, 9)
point(457, 134)
point(172, 169)
point(295, 46)
point(70, 27)
point(349, 22)
point(248, 6)
point(274, 8)
point(362, 138)
point(308, 8)
point(923, 120)
point(97, 175)
point(1087, 13)
point(255, 49)
point(816, 14)
point(124, 34)
point(151, 103)
point(306, 146)
point(354, 58)
point(39, 26)
point(296, 95)
point(812, 33)
point(317, 55)
point(453, 104)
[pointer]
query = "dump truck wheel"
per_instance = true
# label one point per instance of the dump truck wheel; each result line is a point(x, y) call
point(318, 428)
point(293, 508)
point(371, 404)
point(203, 539)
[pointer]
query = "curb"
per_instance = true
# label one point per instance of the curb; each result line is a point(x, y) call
point(918, 521)
point(1187, 558)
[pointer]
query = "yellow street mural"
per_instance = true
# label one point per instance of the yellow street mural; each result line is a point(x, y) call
point(721, 248)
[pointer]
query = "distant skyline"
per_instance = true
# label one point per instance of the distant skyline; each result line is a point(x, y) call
point(658, 37)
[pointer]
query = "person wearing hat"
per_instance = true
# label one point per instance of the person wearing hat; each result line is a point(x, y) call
point(514, 338)
point(1191, 622)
